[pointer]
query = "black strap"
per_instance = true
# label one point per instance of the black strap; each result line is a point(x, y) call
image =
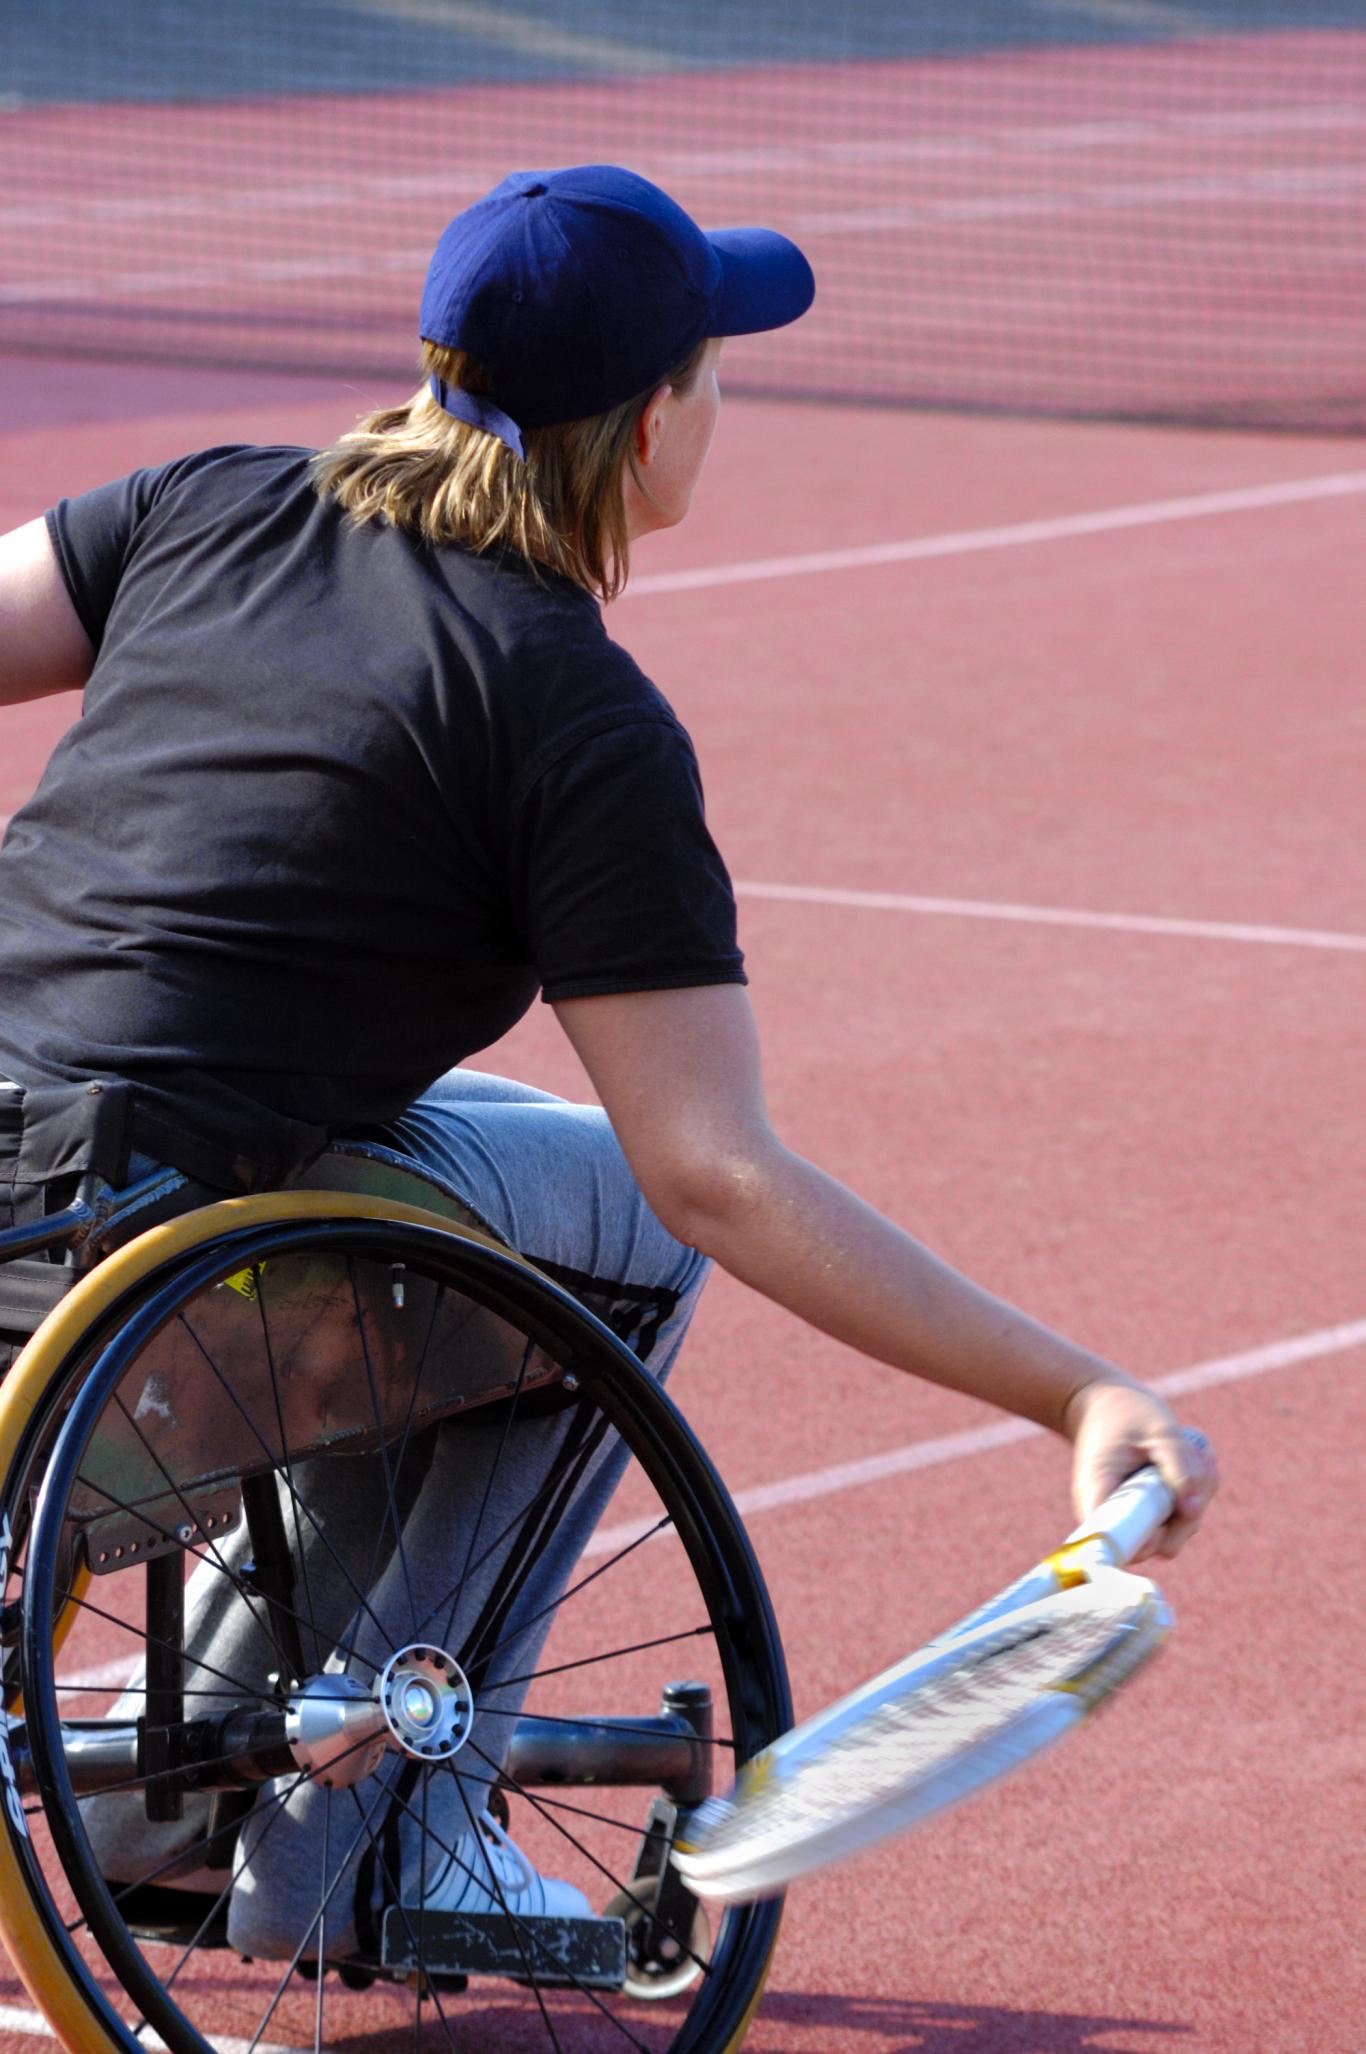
point(634, 1312)
point(29, 1291)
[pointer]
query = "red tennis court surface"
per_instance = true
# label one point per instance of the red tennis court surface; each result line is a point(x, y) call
point(1048, 828)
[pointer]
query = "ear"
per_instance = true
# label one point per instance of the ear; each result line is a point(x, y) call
point(650, 424)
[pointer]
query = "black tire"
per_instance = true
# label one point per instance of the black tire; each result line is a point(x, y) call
point(695, 1583)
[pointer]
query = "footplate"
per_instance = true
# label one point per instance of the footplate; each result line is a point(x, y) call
point(576, 1951)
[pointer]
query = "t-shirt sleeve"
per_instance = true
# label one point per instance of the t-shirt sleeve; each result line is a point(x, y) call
point(621, 886)
point(95, 533)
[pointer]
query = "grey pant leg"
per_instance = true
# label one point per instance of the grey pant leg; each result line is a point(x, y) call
point(550, 1178)
point(346, 1540)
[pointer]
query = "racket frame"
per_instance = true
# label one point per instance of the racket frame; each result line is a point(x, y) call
point(1084, 1575)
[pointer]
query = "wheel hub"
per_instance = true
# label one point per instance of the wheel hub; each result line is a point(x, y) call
point(420, 1705)
point(427, 1704)
point(335, 1729)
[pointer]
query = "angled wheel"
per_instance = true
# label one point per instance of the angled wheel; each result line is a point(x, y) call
point(315, 1476)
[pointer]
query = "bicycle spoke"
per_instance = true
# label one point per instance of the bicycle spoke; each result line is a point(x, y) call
point(573, 1591)
point(543, 1490)
point(246, 1690)
point(494, 1467)
point(259, 1273)
point(297, 1955)
point(184, 1505)
point(524, 1791)
point(638, 1647)
point(280, 1800)
point(172, 1860)
point(438, 1297)
point(559, 1804)
point(385, 1469)
point(582, 1987)
point(169, 1533)
point(396, 1893)
point(504, 1907)
point(359, 1595)
point(422, 1865)
point(568, 1471)
point(322, 1935)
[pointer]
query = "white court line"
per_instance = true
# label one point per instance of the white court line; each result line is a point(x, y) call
point(968, 541)
point(1058, 916)
point(1035, 916)
point(13, 2019)
point(981, 1440)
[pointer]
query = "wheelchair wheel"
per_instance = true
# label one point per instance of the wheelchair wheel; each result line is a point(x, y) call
point(314, 1475)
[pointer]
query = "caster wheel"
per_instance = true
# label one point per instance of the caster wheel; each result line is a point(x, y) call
point(658, 1963)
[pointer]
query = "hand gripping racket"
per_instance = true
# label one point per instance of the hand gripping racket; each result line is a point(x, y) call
point(974, 1703)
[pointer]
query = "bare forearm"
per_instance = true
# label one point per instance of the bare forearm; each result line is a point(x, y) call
point(799, 1237)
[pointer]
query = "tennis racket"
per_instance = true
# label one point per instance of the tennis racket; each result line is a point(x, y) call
point(974, 1703)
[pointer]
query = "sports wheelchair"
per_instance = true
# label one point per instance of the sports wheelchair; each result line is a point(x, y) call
point(193, 1394)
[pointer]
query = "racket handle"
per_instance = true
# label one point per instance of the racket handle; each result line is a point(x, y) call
point(1133, 1514)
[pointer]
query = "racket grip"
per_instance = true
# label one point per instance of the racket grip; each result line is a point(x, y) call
point(1133, 1514)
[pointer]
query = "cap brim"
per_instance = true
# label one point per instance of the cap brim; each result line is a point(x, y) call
point(765, 281)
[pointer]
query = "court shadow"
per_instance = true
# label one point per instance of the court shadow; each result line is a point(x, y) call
point(920, 2026)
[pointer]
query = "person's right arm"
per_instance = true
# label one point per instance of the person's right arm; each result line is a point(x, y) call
point(43, 647)
point(679, 1075)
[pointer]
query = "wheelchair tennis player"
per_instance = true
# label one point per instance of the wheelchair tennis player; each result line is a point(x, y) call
point(360, 771)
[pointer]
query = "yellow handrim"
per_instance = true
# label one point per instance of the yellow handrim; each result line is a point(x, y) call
point(40, 1966)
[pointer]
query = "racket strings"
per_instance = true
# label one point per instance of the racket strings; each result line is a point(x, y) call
point(968, 1696)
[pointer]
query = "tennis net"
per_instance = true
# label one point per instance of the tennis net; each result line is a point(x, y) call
point(1134, 208)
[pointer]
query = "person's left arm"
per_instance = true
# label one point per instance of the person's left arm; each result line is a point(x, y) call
point(43, 647)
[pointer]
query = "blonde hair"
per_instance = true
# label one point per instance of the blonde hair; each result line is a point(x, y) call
point(441, 478)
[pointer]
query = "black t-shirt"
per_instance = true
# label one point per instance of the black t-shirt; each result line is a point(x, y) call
point(337, 804)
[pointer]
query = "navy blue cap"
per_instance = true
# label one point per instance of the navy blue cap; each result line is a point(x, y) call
point(577, 289)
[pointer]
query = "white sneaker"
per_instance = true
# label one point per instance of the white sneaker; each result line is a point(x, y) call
point(487, 1871)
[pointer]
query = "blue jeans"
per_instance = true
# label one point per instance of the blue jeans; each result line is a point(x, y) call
point(549, 1177)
